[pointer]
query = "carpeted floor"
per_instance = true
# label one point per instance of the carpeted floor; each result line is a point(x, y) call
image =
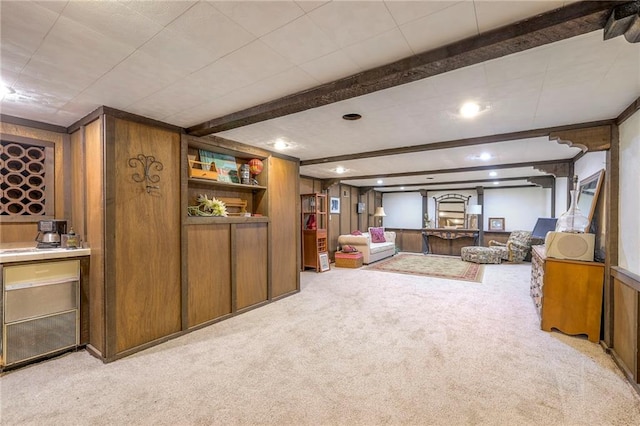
point(450, 267)
point(354, 347)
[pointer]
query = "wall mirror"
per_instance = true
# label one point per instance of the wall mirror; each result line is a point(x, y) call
point(451, 211)
point(588, 192)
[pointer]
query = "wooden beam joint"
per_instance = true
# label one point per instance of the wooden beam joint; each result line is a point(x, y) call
point(624, 20)
point(588, 139)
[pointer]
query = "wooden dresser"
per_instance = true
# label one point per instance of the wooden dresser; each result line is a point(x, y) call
point(567, 294)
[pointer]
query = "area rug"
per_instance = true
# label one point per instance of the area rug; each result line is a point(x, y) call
point(452, 268)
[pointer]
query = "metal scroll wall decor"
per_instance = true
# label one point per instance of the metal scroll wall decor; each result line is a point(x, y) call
point(147, 162)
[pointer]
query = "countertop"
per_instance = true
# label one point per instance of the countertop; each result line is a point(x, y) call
point(21, 252)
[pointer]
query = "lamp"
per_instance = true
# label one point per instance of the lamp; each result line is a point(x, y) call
point(474, 210)
point(379, 213)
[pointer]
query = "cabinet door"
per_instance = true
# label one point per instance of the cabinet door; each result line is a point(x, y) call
point(208, 272)
point(143, 235)
point(250, 263)
point(284, 225)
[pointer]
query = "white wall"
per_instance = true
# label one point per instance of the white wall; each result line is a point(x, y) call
point(403, 210)
point(589, 164)
point(629, 227)
point(520, 207)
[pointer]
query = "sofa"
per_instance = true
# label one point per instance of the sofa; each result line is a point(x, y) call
point(371, 252)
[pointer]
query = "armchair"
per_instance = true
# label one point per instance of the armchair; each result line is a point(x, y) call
point(516, 248)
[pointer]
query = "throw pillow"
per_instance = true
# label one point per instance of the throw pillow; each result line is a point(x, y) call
point(349, 249)
point(377, 235)
point(356, 232)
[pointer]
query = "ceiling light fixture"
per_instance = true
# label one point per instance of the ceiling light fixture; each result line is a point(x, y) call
point(493, 174)
point(352, 116)
point(6, 90)
point(280, 144)
point(496, 183)
point(340, 170)
point(402, 188)
point(485, 156)
point(469, 109)
point(379, 181)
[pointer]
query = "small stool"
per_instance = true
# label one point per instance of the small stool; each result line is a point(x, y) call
point(348, 260)
point(478, 254)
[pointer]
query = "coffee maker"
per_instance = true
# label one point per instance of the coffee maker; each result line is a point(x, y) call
point(49, 233)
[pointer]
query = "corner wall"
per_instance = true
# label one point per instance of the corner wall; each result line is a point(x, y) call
point(629, 242)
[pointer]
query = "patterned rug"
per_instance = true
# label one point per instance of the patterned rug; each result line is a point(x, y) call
point(449, 267)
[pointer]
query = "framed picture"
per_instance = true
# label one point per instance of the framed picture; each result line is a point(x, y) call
point(323, 261)
point(496, 224)
point(334, 206)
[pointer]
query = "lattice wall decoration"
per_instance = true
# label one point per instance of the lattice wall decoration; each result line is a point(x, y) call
point(26, 188)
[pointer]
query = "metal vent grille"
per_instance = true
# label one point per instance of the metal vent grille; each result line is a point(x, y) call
point(29, 339)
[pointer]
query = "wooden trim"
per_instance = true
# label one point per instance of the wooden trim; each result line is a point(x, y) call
point(127, 116)
point(628, 112)
point(33, 124)
point(626, 277)
point(566, 22)
point(589, 139)
point(110, 331)
point(234, 266)
point(458, 170)
point(612, 193)
point(232, 147)
point(457, 143)
point(84, 121)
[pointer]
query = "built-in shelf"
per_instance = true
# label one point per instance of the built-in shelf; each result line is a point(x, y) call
point(234, 186)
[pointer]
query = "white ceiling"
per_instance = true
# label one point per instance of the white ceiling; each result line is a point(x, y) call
point(185, 62)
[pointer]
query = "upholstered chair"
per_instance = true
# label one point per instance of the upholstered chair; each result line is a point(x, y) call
point(516, 248)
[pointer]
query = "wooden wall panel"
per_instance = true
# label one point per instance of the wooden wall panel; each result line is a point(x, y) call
point(250, 261)
point(146, 230)
point(284, 226)
point(208, 272)
point(625, 321)
point(306, 185)
point(77, 174)
point(21, 232)
point(94, 236)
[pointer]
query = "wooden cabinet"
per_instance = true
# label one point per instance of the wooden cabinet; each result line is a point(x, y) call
point(567, 294)
point(314, 228)
point(448, 241)
point(229, 266)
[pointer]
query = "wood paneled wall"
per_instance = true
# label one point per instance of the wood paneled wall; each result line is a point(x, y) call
point(22, 232)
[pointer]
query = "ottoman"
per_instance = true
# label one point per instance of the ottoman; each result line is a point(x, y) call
point(478, 254)
point(348, 260)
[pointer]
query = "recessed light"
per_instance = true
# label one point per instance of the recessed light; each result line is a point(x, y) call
point(340, 170)
point(496, 183)
point(469, 109)
point(379, 181)
point(428, 178)
point(485, 156)
point(492, 174)
point(402, 188)
point(352, 116)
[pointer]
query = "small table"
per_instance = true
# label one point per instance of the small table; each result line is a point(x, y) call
point(348, 260)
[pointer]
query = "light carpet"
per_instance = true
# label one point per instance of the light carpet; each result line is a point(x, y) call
point(450, 267)
point(354, 347)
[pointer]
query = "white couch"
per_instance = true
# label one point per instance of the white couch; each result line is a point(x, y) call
point(371, 252)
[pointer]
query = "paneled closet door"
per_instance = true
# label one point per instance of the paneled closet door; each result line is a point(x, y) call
point(143, 286)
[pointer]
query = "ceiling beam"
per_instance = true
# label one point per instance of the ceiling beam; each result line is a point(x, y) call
point(566, 22)
point(481, 140)
point(489, 180)
point(553, 165)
